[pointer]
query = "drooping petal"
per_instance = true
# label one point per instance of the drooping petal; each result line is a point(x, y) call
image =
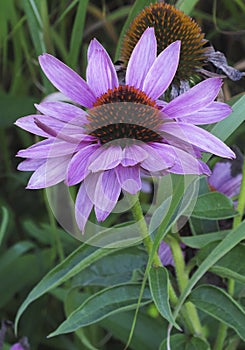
point(66, 80)
point(50, 173)
point(155, 162)
point(141, 59)
point(30, 164)
point(78, 166)
point(133, 155)
point(101, 73)
point(184, 162)
point(27, 123)
point(46, 126)
point(106, 158)
point(129, 178)
point(162, 71)
point(64, 112)
point(215, 112)
point(195, 99)
point(83, 207)
point(107, 193)
point(199, 138)
point(50, 148)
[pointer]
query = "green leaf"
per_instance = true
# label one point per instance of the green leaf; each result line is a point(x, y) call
point(77, 33)
point(13, 107)
point(73, 264)
point(35, 25)
point(148, 331)
point(186, 5)
point(200, 241)
point(37, 263)
point(230, 265)
point(217, 303)
point(136, 8)
point(159, 283)
point(119, 267)
point(213, 206)
point(229, 242)
point(182, 341)
point(4, 223)
point(111, 300)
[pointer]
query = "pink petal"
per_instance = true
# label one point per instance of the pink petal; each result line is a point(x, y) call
point(129, 178)
point(162, 71)
point(30, 164)
point(27, 123)
point(133, 155)
point(50, 148)
point(50, 173)
point(66, 80)
point(64, 112)
point(78, 166)
point(107, 194)
point(83, 207)
point(215, 112)
point(142, 58)
point(199, 138)
point(106, 158)
point(195, 99)
point(101, 73)
point(155, 162)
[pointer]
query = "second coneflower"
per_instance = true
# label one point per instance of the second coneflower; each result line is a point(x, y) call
point(171, 24)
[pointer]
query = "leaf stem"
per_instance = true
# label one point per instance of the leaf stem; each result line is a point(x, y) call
point(189, 311)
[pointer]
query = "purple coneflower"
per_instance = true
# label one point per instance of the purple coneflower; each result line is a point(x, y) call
point(226, 176)
point(124, 131)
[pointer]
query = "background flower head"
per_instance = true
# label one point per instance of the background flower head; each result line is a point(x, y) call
point(171, 24)
point(124, 131)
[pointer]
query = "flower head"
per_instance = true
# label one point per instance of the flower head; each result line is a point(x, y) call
point(124, 131)
point(171, 24)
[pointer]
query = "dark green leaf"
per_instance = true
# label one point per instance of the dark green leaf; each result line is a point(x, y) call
point(185, 342)
point(159, 283)
point(117, 268)
point(202, 240)
point(13, 107)
point(110, 301)
point(148, 331)
point(73, 264)
point(213, 206)
point(230, 265)
point(217, 303)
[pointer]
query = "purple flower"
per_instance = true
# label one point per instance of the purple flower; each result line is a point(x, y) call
point(125, 130)
point(17, 346)
point(222, 179)
point(165, 254)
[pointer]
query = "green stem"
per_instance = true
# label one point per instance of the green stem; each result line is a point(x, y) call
point(148, 243)
point(189, 311)
point(222, 332)
point(139, 218)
